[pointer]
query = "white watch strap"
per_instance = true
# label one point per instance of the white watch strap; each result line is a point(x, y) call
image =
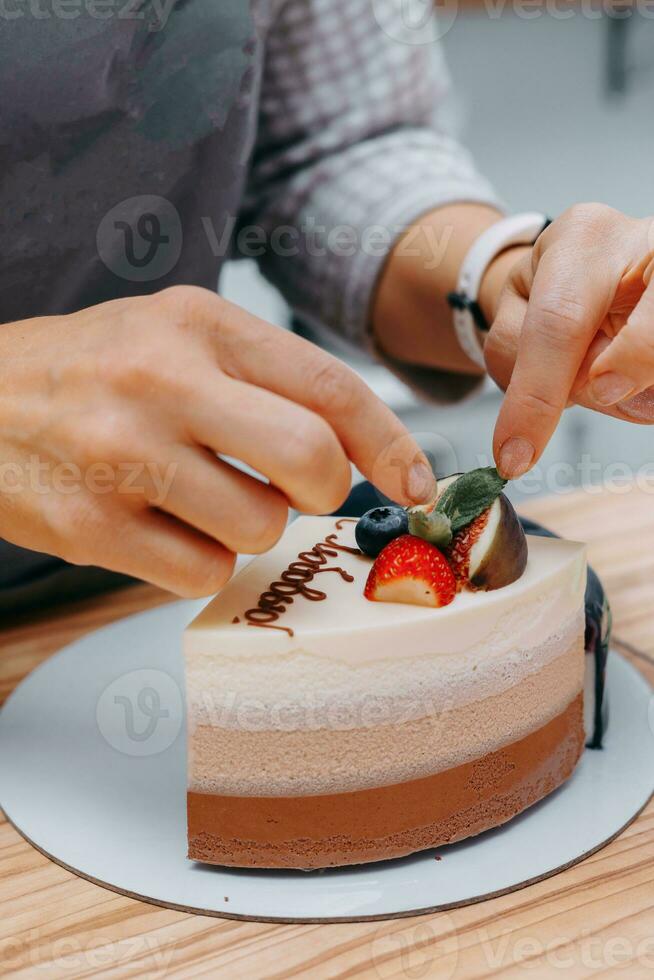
point(519, 229)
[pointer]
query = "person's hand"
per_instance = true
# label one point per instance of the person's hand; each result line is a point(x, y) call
point(111, 420)
point(573, 324)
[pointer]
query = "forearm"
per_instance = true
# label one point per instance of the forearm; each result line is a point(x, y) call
point(411, 319)
point(382, 160)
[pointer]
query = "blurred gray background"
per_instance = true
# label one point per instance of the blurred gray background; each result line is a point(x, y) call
point(555, 111)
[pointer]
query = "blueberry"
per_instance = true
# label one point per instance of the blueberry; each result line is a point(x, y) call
point(378, 527)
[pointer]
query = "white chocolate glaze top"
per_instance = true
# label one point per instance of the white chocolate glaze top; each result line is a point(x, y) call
point(344, 626)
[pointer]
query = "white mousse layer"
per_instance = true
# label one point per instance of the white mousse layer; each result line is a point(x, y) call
point(351, 663)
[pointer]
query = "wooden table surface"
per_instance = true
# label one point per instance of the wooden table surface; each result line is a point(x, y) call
point(596, 919)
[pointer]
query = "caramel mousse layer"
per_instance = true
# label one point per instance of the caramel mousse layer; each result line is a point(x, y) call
point(305, 762)
point(389, 821)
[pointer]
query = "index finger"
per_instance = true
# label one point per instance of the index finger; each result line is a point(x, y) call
point(569, 298)
point(372, 436)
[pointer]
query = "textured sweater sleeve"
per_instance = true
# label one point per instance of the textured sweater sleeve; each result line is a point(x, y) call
point(350, 153)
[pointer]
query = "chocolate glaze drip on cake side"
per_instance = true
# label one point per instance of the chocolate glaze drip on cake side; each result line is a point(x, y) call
point(294, 581)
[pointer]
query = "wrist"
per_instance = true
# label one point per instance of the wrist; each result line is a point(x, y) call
point(411, 318)
point(468, 318)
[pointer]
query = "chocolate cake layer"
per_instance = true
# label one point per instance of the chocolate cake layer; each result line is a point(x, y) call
point(387, 821)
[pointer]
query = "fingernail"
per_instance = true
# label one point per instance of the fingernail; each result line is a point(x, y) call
point(640, 407)
point(515, 457)
point(610, 388)
point(422, 483)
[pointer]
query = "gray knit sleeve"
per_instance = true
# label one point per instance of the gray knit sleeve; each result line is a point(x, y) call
point(350, 153)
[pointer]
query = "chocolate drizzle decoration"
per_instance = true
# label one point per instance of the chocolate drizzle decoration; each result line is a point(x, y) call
point(294, 581)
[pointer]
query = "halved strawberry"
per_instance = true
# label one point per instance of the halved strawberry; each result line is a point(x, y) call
point(411, 570)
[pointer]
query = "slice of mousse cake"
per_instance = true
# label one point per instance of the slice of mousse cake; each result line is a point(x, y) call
point(361, 692)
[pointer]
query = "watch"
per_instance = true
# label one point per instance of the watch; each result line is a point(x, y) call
point(469, 321)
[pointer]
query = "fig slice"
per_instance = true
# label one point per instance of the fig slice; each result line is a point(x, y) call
point(491, 551)
point(498, 557)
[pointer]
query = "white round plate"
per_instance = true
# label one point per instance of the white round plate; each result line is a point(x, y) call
point(92, 772)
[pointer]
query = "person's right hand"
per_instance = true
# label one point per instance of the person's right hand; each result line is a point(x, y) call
point(573, 324)
point(111, 420)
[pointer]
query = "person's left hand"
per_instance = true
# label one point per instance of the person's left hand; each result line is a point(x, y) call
point(574, 323)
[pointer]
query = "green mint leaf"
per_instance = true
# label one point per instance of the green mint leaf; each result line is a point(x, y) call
point(434, 526)
point(470, 495)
